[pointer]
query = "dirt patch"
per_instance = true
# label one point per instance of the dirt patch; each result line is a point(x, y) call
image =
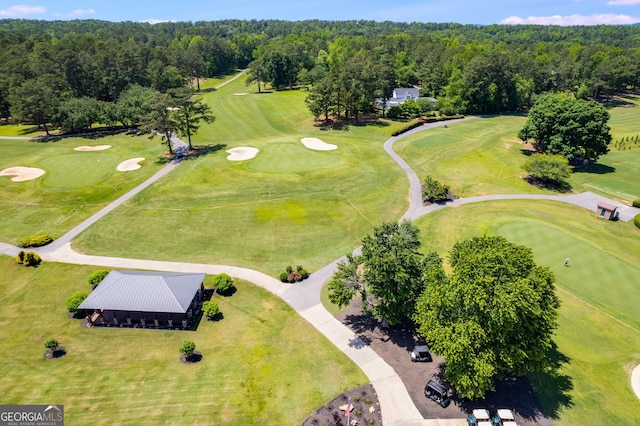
point(92, 148)
point(21, 174)
point(128, 165)
point(394, 346)
point(364, 404)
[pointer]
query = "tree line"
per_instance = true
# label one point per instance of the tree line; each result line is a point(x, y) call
point(346, 64)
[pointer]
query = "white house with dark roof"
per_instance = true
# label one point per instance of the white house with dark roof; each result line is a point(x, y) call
point(400, 96)
point(145, 299)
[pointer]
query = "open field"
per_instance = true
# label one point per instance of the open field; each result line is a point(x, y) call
point(288, 205)
point(599, 334)
point(254, 370)
point(75, 185)
point(484, 156)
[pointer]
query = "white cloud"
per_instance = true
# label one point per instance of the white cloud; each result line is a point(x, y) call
point(76, 13)
point(597, 19)
point(155, 21)
point(623, 2)
point(22, 10)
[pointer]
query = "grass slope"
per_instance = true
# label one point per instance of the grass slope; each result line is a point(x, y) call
point(288, 205)
point(255, 367)
point(75, 185)
point(598, 337)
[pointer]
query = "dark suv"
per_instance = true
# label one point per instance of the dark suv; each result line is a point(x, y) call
point(437, 392)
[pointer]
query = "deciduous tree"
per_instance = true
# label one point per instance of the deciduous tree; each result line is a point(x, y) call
point(493, 315)
point(548, 168)
point(573, 128)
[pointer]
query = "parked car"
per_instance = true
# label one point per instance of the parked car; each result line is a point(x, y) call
point(421, 353)
point(504, 417)
point(437, 392)
point(479, 417)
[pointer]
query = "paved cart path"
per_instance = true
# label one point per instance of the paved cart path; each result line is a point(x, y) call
point(396, 405)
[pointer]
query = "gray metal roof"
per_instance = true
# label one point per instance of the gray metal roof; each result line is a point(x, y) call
point(144, 292)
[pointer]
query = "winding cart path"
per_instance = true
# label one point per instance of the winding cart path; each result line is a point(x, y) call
point(396, 405)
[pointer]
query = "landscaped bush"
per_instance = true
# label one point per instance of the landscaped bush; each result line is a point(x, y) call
point(51, 344)
point(636, 220)
point(28, 258)
point(36, 241)
point(75, 300)
point(187, 348)
point(292, 276)
point(636, 203)
point(211, 309)
point(222, 283)
point(283, 277)
point(97, 276)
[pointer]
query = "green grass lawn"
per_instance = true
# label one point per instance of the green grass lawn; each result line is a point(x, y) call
point(475, 157)
point(288, 205)
point(599, 332)
point(75, 185)
point(256, 366)
point(483, 156)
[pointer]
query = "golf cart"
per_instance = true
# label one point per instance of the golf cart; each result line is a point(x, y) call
point(479, 417)
point(504, 417)
point(437, 392)
point(421, 353)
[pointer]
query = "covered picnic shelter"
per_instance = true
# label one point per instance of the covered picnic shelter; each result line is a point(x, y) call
point(145, 299)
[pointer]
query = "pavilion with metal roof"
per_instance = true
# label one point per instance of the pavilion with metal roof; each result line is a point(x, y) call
point(145, 299)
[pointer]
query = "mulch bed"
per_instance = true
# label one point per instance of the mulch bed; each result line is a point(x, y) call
point(366, 409)
point(59, 352)
point(394, 344)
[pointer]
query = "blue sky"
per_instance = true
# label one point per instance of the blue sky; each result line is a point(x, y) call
point(559, 12)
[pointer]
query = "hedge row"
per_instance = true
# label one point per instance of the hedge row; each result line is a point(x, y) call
point(636, 203)
point(636, 220)
point(424, 120)
point(36, 241)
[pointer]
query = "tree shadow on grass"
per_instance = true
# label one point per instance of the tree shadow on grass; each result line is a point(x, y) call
point(595, 168)
point(201, 150)
point(552, 386)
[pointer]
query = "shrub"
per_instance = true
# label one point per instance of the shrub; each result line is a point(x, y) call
point(371, 421)
point(75, 300)
point(51, 344)
point(210, 308)
point(222, 282)
point(283, 277)
point(636, 220)
point(358, 412)
point(36, 241)
point(187, 348)
point(299, 268)
point(367, 400)
point(97, 276)
point(304, 274)
point(636, 203)
point(288, 269)
point(434, 191)
point(28, 258)
point(357, 398)
point(31, 259)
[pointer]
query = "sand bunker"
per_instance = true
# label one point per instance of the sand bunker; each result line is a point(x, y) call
point(128, 165)
point(317, 144)
point(22, 173)
point(92, 148)
point(242, 153)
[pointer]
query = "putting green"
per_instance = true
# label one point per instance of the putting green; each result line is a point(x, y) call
point(288, 157)
point(68, 171)
point(594, 275)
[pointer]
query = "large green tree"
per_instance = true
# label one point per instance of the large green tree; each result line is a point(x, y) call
point(188, 113)
point(389, 270)
point(553, 169)
point(573, 128)
point(493, 315)
point(37, 99)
